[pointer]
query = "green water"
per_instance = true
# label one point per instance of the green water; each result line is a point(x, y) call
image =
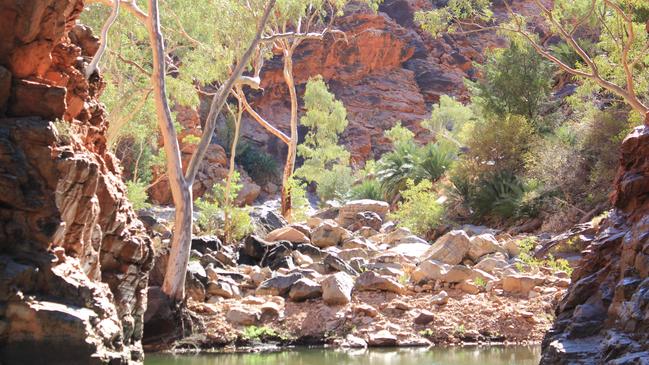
point(510, 355)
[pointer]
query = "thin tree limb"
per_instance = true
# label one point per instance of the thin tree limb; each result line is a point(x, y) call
point(219, 100)
point(92, 67)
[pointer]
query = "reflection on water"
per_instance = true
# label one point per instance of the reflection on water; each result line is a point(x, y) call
point(509, 355)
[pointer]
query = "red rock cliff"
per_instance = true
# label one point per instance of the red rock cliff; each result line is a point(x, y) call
point(74, 259)
point(604, 317)
point(388, 70)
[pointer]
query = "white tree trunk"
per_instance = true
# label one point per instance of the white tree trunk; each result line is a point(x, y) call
point(292, 145)
point(174, 282)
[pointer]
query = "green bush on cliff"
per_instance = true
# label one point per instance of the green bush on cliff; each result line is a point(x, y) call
point(136, 193)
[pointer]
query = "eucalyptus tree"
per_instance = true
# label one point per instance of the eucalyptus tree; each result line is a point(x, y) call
point(618, 63)
point(294, 22)
point(231, 45)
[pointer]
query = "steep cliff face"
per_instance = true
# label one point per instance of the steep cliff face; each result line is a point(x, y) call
point(74, 259)
point(386, 70)
point(604, 317)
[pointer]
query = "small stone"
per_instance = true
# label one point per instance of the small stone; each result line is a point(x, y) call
point(440, 299)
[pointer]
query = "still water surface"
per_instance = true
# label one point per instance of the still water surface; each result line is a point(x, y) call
point(510, 355)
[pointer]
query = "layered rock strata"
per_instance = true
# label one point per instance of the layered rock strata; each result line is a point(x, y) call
point(604, 317)
point(74, 258)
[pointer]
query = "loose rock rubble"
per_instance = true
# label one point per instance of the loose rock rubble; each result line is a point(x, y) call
point(322, 282)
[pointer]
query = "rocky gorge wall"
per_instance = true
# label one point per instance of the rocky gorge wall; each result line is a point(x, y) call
point(604, 317)
point(385, 70)
point(74, 259)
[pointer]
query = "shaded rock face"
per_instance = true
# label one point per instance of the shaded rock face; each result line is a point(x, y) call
point(74, 259)
point(603, 317)
point(389, 70)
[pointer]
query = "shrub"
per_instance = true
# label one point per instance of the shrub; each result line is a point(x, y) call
point(433, 160)
point(516, 80)
point(220, 216)
point(419, 211)
point(136, 193)
point(260, 166)
point(448, 118)
point(499, 195)
point(367, 189)
point(299, 202)
point(395, 168)
point(497, 144)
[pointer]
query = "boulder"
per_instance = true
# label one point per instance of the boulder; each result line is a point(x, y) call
point(491, 264)
point(279, 256)
point(450, 248)
point(328, 233)
point(469, 287)
point(481, 245)
point(301, 259)
point(519, 284)
point(337, 288)
point(304, 289)
point(424, 317)
point(266, 219)
point(253, 249)
point(278, 285)
point(243, 316)
point(270, 311)
point(382, 338)
point(401, 235)
point(287, 233)
point(206, 244)
point(371, 281)
point(311, 251)
point(334, 263)
point(436, 270)
point(353, 342)
point(412, 250)
point(363, 309)
point(223, 289)
point(305, 229)
point(512, 248)
point(366, 219)
point(347, 213)
point(348, 254)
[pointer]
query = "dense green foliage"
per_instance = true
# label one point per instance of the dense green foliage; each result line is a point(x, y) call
point(409, 161)
point(419, 211)
point(515, 80)
point(221, 216)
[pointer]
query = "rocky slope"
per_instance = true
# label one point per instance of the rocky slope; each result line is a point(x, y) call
point(604, 318)
point(74, 258)
point(357, 281)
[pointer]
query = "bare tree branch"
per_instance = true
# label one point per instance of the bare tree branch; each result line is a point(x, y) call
point(219, 100)
point(104, 39)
